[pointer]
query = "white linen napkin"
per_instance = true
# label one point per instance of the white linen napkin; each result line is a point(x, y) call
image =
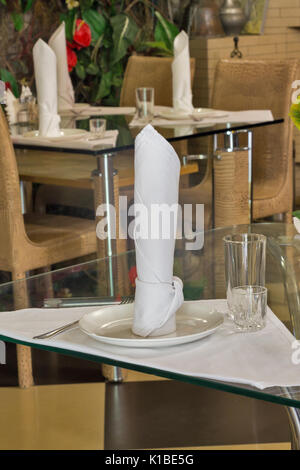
point(181, 73)
point(158, 294)
point(65, 89)
point(46, 84)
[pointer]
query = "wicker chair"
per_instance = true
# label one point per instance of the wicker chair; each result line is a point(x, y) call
point(257, 84)
point(35, 241)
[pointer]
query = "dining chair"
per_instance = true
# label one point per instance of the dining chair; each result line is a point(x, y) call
point(256, 84)
point(33, 241)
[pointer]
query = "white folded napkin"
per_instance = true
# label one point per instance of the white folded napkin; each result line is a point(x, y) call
point(65, 89)
point(158, 294)
point(44, 61)
point(181, 73)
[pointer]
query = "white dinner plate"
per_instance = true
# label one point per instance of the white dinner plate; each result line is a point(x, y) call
point(63, 133)
point(113, 325)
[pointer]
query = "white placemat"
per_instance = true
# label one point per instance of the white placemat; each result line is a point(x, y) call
point(232, 117)
point(72, 142)
point(262, 359)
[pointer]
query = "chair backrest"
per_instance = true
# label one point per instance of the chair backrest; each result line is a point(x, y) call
point(261, 84)
point(12, 230)
point(155, 72)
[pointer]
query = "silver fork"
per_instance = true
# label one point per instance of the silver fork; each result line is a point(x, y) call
point(57, 331)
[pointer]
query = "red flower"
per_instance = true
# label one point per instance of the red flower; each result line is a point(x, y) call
point(132, 274)
point(72, 58)
point(73, 45)
point(8, 86)
point(82, 35)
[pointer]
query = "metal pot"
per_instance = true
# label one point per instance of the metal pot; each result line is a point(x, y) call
point(204, 19)
point(233, 17)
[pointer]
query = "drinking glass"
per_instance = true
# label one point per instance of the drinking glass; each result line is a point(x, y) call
point(97, 127)
point(245, 262)
point(249, 306)
point(145, 103)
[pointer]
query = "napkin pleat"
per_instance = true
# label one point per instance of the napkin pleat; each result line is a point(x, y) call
point(65, 89)
point(158, 293)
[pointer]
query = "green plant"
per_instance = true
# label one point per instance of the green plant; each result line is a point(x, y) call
point(118, 28)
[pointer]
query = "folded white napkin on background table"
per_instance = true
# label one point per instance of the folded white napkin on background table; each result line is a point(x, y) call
point(262, 359)
point(65, 89)
point(71, 141)
point(46, 84)
point(181, 74)
point(158, 294)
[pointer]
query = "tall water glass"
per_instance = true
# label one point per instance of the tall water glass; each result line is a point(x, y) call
point(245, 263)
point(145, 103)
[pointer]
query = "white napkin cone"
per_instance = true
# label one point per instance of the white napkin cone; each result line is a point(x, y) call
point(44, 61)
point(158, 294)
point(65, 89)
point(181, 73)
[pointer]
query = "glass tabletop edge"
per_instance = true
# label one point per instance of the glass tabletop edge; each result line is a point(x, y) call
point(222, 386)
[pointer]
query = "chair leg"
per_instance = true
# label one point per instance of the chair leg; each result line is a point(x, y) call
point(288, 217)
point(24, 358)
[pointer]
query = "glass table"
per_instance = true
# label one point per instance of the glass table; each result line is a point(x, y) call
point(227, 138)
point(202, 272)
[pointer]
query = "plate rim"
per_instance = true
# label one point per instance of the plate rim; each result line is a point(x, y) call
point(151, 341)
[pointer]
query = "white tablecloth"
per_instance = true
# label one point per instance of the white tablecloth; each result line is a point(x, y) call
point(262, 359)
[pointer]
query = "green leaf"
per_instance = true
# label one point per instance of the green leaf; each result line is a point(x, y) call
point(6, 76)
point(80, 71)
point(92, 69)
point(70, 21)
point(165, 31)
point(124, 34)
point(3, 2)
point(96, 22)
point(27, 6)
point(104, 86)
point(295, 114)
point(86, 4)
point(160, 46)
point(17, 20)
point(296, 214)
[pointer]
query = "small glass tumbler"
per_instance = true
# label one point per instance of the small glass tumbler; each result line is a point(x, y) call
point(145, 103)
point(249, 304)
point(97, 127)
point(245, 262)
